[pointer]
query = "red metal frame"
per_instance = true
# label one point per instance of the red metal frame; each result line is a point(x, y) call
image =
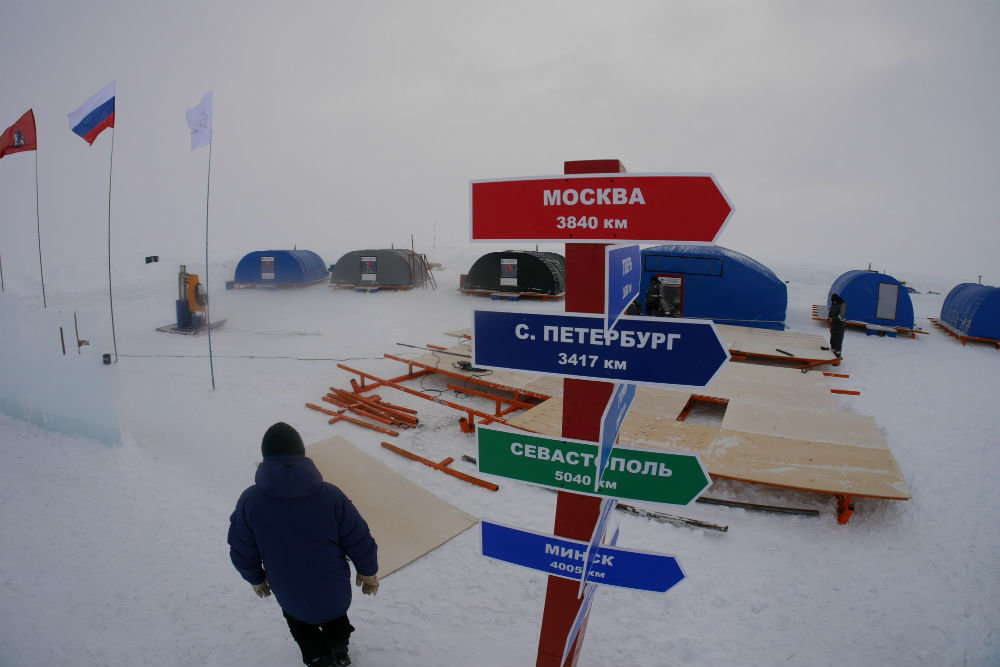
point(695, 398)
point(395, 383)
point(443, 467)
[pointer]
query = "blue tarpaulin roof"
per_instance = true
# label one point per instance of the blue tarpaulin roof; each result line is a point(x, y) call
point(875, 298)
point(720, 284)
point(289, 267)
point(973, 310)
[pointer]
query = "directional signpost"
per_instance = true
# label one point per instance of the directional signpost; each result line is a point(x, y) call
point(608, 565)
point(593, 346)
point(561, 463)
point(644, 350)
point(652, 208)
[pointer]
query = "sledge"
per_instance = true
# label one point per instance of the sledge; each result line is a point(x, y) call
point(194, 331)
point(821, 314)
point(951, 331)
point(512, 296)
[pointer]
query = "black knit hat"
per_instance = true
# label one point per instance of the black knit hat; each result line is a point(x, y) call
point(282, 439)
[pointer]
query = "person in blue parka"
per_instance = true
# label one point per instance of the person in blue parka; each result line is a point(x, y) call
point(291, 534)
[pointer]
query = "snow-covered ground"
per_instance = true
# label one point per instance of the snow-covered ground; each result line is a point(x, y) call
point(118, 555)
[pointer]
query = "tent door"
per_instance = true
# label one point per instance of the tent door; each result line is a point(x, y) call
point(888, 295)
point(267, 268)
point(508, 272)
point(672, 295)
point(369, 268)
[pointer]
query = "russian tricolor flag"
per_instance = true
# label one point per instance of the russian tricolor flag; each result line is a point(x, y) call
point(95, 115)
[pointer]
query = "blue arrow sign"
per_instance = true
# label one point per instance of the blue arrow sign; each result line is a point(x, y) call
point(609, 565)
point(611, 424)
point(623, 278)
point(643, 350)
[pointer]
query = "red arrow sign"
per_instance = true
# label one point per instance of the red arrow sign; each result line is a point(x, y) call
point(653, 208)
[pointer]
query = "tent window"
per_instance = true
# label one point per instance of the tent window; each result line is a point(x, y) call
point(267, 268)
point(692, 266)
point(888, 294)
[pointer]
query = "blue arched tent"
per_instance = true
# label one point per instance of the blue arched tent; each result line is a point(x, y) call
point(280, 268)
point(973, 310)
point(716, 283)
point(874, 298)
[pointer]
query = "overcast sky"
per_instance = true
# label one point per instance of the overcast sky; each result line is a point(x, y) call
point(843, 133)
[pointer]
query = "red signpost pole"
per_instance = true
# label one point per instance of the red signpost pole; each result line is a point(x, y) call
point(583, 404)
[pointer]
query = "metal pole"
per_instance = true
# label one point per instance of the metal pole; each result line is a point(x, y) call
point(111, 301)
point(38, 223)
point(208, 301)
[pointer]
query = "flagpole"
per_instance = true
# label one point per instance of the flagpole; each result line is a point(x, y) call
point(111, 301)
point(208, 319)
point(38, 223)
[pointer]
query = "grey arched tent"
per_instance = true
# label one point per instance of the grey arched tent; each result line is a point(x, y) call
point(391, 268)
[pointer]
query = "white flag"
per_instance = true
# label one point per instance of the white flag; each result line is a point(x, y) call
point(200, 121)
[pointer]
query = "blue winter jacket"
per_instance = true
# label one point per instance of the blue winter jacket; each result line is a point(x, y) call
point(296, 530)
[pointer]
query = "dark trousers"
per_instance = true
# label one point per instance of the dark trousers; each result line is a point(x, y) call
point(315, 641)
point(836, 337)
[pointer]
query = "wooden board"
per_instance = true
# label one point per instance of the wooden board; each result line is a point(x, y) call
point(860, 470)
point(834, 427)
point(769, 342)
point(781, 427)
point(406, 520)
point(771, 384)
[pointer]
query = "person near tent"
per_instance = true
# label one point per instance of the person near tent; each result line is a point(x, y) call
point(838, 319)
point(291, 534)
point(654, 304)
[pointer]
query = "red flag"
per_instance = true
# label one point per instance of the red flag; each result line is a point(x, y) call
point(20, 136)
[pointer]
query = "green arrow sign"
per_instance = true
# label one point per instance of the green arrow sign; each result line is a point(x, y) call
point(636, 474)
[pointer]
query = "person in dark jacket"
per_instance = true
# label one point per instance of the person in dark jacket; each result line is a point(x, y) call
point(291, 534)
point(838, 317)
point(654, 304)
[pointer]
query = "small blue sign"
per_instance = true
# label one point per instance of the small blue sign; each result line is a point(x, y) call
point(607, 506)
point(623, 278)
point(643, 350)
point(608, 566)
point(611, 424)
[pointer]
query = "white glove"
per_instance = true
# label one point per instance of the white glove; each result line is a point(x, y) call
point(368, 583)
point(262, 590)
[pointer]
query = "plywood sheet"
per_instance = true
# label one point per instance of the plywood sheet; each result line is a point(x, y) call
point(834, 427)
point(406, 520)
point(862, 470)
point(802, 464)
point(768, 342)
point(772, 385)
